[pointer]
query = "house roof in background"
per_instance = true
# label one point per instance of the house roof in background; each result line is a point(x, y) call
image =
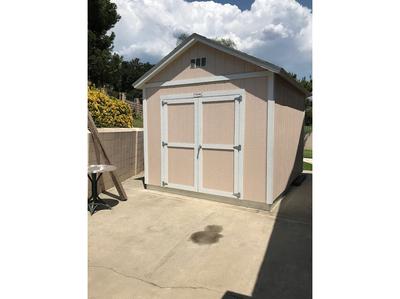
point(189, 41)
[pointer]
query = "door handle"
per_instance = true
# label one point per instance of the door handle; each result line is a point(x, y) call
point(198, 151)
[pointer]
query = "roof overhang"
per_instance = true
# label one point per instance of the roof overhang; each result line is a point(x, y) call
point(192, 39)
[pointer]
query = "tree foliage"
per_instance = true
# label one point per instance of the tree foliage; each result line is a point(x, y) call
point(226, 42)
point(307, 84)
point(131, 71)
point(105, 68)
point(102, 63)
point(181, 37)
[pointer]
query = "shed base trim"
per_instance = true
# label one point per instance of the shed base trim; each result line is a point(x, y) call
point(217, 198)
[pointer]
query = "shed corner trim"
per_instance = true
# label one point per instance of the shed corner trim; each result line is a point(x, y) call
point(269, 194)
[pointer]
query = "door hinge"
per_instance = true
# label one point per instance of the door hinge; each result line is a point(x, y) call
point(237, 194)
point(164, 143)
point(163, 103)
point(239, 98)
point(238, 147)
point(164, 183)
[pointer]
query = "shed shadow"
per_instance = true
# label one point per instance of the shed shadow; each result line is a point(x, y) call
point(286, 269)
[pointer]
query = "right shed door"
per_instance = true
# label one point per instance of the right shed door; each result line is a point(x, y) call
point(219, 145)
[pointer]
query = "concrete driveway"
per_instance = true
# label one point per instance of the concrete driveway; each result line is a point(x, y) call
point(158, 245)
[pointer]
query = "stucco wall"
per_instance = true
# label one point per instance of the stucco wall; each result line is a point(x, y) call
point(254, 147)
point(124, 147)
point(289, 136)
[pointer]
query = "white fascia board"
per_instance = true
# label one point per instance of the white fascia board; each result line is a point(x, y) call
point(140, 84)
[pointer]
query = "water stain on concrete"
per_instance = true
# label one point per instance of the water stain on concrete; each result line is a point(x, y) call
point(210, 235)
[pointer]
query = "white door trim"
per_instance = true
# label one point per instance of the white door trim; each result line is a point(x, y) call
point(218, 146)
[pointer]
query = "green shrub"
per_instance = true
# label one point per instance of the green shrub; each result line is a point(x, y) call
point(108, 112)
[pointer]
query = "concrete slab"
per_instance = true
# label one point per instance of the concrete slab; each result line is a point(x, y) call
point(159, 245)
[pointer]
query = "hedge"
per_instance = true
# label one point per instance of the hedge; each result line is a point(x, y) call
point(107, 111)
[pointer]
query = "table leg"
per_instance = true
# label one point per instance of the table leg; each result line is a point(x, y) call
point(95, 201)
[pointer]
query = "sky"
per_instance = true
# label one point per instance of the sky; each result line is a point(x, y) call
point(278, 31)
point(246, 4)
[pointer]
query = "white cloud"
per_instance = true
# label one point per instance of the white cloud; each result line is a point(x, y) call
point(278, 31)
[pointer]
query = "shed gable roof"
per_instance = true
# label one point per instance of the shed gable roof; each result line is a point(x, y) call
point(189, 41)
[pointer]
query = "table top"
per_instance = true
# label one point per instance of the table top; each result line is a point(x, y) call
point(99, 168)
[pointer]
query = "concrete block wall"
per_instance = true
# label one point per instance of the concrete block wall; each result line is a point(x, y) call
point(124, 147)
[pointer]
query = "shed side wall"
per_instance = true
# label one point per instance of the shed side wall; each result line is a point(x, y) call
point(254, 159)
point(288, 144)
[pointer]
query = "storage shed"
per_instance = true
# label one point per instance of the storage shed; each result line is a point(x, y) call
point(221, 124)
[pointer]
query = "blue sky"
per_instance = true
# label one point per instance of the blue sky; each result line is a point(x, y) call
point(278, 31)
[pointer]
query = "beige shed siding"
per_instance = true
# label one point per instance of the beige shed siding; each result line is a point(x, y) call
point(181, 169)
point(218, 170)
point(255, 130)
point(219, 123)
point(181, 123)
point(218, 63)
point(288, 148)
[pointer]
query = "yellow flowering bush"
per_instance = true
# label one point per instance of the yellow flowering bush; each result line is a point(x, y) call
point(107, 111)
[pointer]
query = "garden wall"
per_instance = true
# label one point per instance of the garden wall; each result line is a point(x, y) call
point(124, 147)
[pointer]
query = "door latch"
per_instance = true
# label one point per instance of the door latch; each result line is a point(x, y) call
point(238, 147)
point(198, 150)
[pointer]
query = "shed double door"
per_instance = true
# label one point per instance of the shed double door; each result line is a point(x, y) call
point(201, 146)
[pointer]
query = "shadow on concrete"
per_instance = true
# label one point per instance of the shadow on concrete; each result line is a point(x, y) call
point(286, 270)
point(233, 295)
point(110, 201)
point(112, 195)
point(141, 178)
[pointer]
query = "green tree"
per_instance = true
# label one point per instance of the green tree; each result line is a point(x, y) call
point(307, 84)
point(102, 63)
point(181, 37)
point(131, 71)
point(226, 42)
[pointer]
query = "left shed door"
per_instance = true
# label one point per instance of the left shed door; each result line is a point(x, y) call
point(178, 144)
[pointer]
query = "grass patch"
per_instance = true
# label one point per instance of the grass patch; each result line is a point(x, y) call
point(138, 123)
point(307, 153)
point(307, 166)
point(307, 129)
